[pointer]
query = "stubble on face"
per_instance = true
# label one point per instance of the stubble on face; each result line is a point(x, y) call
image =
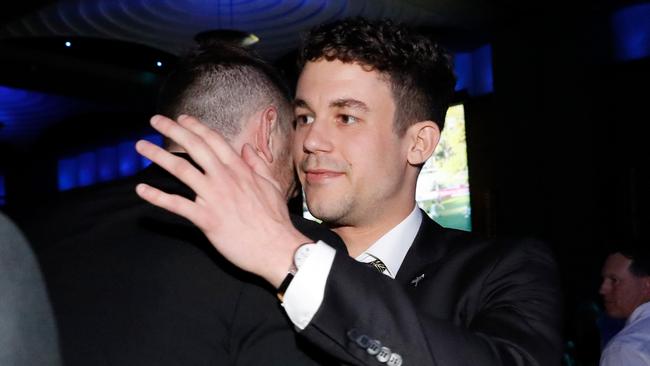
point(332, 210)
point(351, 163)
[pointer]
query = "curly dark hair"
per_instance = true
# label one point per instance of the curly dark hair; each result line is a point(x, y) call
point(418, 70)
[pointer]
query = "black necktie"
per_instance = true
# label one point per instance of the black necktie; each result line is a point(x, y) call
point(378, 265)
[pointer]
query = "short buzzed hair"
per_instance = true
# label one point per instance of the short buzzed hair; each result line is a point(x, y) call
point(638, 251)
point(222, 85)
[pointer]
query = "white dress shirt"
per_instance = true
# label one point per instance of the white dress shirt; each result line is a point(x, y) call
point(631, 346)
point(305, 293)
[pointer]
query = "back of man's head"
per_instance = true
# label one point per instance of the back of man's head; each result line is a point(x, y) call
point(419, 71)
point(222, 85)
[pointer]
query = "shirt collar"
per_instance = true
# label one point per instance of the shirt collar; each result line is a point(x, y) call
point(392, 247)
point(641, 312)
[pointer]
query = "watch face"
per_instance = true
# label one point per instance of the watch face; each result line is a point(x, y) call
point(302, 253)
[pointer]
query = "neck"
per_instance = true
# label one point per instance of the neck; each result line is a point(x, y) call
point(359, 238)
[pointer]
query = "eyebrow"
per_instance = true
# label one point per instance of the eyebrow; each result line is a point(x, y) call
point(338, 103)
point(299, 103)
point(349, 103)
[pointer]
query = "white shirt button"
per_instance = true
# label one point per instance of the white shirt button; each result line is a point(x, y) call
point(374, 347)
point(384, 354)
point(395, 360)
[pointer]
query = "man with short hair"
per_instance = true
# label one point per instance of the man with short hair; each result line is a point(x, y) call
point(135, 285)
point(370, 104)
point(626, 295)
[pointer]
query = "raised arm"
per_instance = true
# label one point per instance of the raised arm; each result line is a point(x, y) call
point(243, 214)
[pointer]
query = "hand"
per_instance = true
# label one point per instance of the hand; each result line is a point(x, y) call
point(243, 214)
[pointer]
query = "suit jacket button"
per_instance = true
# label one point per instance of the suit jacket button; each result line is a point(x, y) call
point(353, 334)
point(384, 354)
point(395, 360)
point(363, 341)
point(374, 347)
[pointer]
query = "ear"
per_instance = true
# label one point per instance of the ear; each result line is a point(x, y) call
point(266, 124)
point(424, 137)
point(646, 286)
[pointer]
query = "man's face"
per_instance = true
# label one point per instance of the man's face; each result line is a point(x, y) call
point(351, 163)
point(621, 290)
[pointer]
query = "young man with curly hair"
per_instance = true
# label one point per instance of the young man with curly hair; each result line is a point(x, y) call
point(370, 105)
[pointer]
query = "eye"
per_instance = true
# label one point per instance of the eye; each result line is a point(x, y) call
point(346, 119)
point(304, 119)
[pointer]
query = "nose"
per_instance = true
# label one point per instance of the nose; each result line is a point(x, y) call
point(316, 137)
point(604, 288)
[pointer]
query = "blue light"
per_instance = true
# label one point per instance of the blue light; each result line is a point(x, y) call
point(155, 139)
point(103, 164)
point(483, 79)
point(474, 71)
point(158, 63)
point(25, 112)
point(107, 164)
point(67, 173)
point(2, 190)
point(68, 44)
point(631, 32)
point(87, 173)
point(128, 158)
point(463, 69)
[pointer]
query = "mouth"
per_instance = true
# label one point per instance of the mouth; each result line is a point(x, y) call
point(316, 176)
point(608, 303)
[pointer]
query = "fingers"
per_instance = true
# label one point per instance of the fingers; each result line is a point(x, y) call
point(176, 166)
point(212, 138)
point(218, 147)
point(171, 202)
point(192, 143)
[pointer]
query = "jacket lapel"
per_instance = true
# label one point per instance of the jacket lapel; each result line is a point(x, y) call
point(428, 247)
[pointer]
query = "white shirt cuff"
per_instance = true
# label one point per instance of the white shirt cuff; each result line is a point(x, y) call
point(305, 293)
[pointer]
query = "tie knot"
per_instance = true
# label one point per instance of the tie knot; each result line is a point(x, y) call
point(378, 265)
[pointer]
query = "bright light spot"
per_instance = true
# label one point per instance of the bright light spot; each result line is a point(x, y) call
point(68, 44)
point(251, 39)
point(158, 63)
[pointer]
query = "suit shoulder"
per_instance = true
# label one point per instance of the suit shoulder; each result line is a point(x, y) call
point(518, 254)
point(500, 247)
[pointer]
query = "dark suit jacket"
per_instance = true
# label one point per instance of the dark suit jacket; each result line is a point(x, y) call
point(132, 284)
point(479, 302)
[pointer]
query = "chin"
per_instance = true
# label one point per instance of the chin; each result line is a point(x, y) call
point(323, 213)
point(325, 208)
point(615, 313)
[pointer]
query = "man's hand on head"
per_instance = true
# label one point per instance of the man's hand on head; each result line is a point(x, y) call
point(238, 206)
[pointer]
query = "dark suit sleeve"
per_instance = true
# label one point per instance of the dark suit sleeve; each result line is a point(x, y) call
point(499, 308)
point(261, 332)
point(263, 335)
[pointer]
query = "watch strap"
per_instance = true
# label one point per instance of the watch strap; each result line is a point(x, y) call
point(285, 285)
